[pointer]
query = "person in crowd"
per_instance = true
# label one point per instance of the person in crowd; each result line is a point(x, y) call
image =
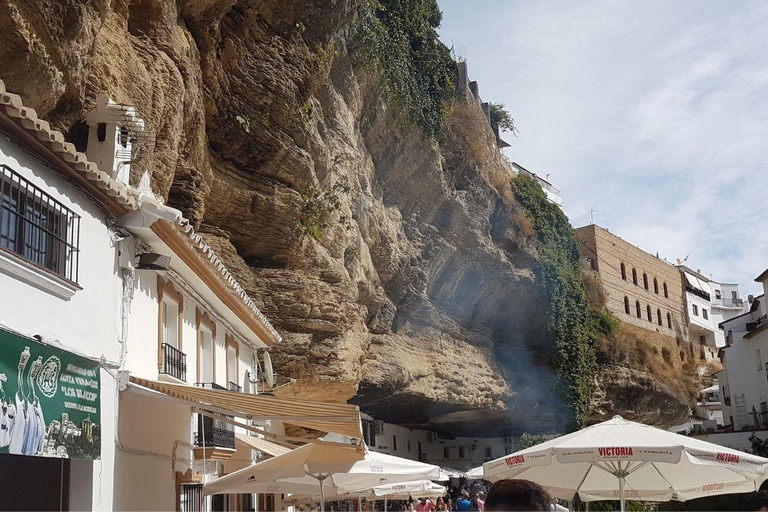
point(480, 501)
point(464, 505)
point(515, 495)
point(757, 501)
point(425, 505)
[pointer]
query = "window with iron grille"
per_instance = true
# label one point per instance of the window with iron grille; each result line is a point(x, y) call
point(37, 227)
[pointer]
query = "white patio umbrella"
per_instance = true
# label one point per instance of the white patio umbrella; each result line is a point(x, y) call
point(322, 467)
point(620, 459)
point(475, 473)
point(398, 491)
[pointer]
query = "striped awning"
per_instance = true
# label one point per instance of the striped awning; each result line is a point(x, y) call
point(260, 444)
point(343, 419)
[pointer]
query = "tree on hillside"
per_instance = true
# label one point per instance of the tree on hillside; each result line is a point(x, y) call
point(501, 119)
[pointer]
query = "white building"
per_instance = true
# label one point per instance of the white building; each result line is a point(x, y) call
point(552, 193)
point(459, 453)
point(708, 304)
point(60, 298)
point(744, 381)
point(156, 349)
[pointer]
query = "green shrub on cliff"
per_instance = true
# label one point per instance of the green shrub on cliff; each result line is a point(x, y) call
point(571, 328)
point(399, 37)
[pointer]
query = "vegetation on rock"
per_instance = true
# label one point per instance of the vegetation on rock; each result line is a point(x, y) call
point(501, 118)
point(399, 37)
point(570, 328)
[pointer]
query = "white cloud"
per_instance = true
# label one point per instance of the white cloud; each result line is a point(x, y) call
point(654, 114)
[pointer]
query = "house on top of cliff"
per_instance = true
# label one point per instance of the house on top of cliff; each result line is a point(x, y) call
point(463, 84)
point(708, 304)
point(640, 290)
point(552, 193)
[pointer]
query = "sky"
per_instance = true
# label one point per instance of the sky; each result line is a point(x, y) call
point(654, 114)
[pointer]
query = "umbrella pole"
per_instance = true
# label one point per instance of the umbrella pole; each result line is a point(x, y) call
point(322, 494)
point(621, 494)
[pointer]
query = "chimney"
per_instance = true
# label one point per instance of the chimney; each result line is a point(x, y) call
point(112, 127)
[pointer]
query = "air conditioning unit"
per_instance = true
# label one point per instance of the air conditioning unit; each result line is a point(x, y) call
point(432, 438)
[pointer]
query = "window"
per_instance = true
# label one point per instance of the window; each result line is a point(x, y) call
point(766, 371)
point(645, 281)
point(446, 452)
point(658, 316)
point(462, 452)
point(623, 272)
point(669, 320)
point(206, 349)
point(759, 360)
point(37, 227)
point(666, 294)
point(171, 358)
point(394, 443)
point(634, 276)
point(648, 312)
point(637, 309)
point(488, 453)
point(626, 304)
point(695, 309)
point(718, 295)
point(408, 445)
point(704, 314)
point(369, 433)
point(233, 364)
point(655, 286)
point(734, 295)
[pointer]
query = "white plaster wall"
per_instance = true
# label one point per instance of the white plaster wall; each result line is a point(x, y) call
point(434, 451)
point(87, 323)
point(144, 472)
point(735, 440)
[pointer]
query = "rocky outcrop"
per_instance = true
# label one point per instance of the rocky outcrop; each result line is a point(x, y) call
point(424, 307)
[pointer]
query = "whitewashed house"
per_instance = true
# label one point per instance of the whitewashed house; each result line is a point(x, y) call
point(60, 331)
point(708, 304)
point(744, 381)
point(141, 355)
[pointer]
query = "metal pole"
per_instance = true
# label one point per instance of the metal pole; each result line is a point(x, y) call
point(322, 494)
point(385, 503)
point(621, 494)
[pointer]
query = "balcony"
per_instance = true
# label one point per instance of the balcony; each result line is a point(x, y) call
point(728, 303)
point(695, 291)
point(210, 385)
point(174, 362)
point(215, 439)
point(234, 387)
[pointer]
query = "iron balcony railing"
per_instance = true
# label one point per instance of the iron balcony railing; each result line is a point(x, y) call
point(728, 303)
point(37, 227)
point(210, 385)
point(214, 432)
point(234, 387)
point(695, 291)
point(174, 362)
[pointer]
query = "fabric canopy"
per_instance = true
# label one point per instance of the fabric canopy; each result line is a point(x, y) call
point(618, 458)
point(400, 491)
point(261, 445)
point(330, 468)
point(475, 473)
point(343, 419)
point(696, 282)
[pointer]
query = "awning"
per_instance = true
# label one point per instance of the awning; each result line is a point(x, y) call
point(696, 282)
point(343, 419)
point(260, 444)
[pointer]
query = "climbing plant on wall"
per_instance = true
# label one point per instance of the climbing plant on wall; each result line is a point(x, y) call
point(399, 37)
point(571, 335)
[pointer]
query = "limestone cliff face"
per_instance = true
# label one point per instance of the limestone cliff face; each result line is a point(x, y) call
point(426, 308)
